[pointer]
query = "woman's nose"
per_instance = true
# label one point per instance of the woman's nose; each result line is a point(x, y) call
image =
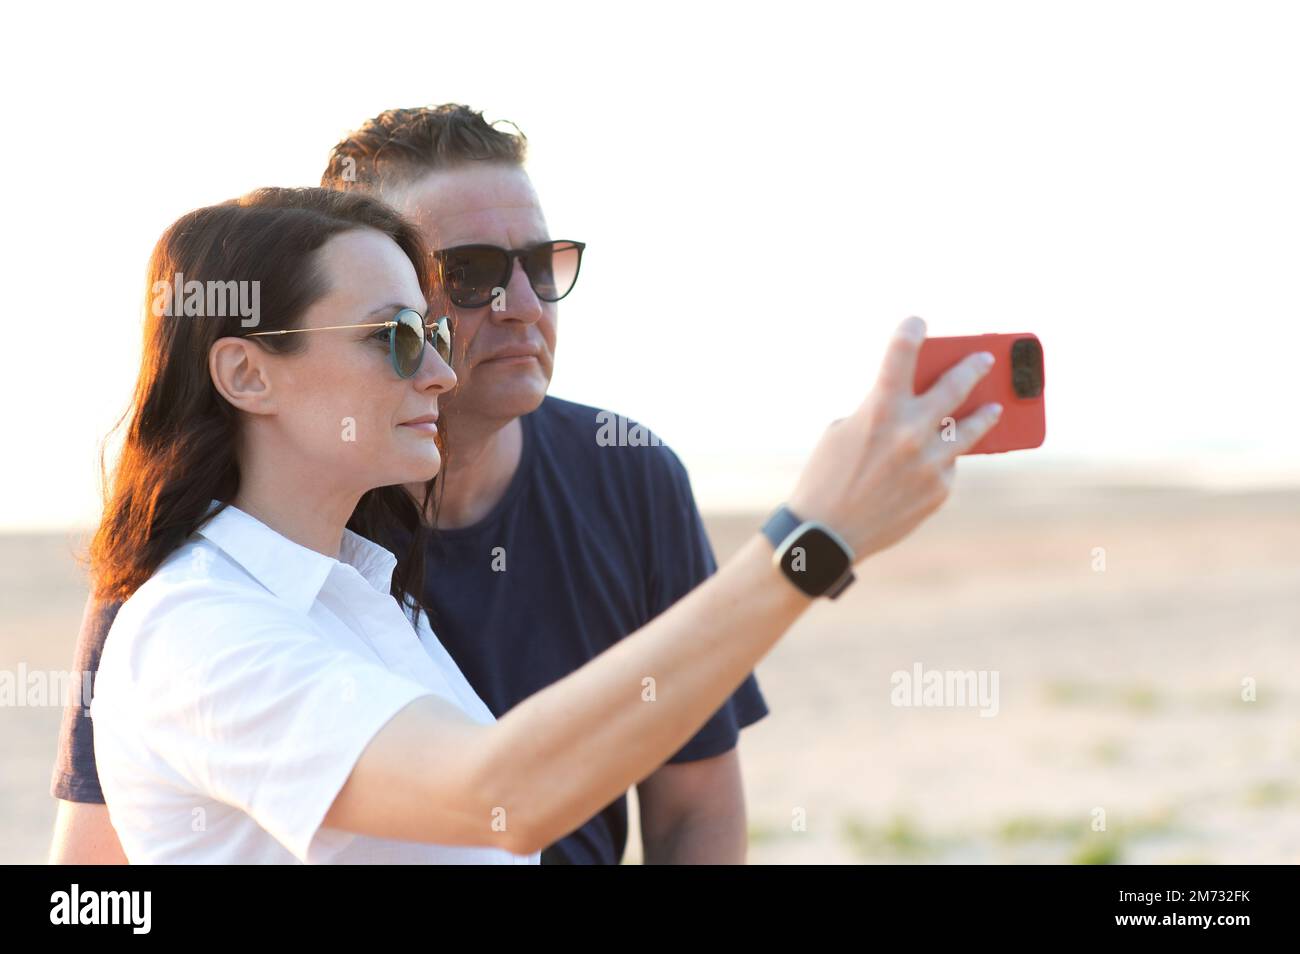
point(435, 373)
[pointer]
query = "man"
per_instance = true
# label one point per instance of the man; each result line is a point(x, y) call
point(557, 535)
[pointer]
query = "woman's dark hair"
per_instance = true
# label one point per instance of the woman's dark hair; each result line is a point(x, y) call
point(179, 448)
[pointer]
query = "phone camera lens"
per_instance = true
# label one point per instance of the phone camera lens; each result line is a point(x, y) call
point(1027, 368)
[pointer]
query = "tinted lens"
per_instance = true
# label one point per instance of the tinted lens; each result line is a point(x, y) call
point(408, 342)
point(440, 332)
point(553, 269)
point(471, 272)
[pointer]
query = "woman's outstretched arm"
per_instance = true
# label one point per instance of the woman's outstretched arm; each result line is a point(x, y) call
point(568, 750)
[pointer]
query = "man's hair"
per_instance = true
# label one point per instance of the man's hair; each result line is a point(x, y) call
point(400, 145)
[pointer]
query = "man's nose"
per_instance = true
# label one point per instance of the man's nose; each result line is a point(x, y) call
point(520, 301)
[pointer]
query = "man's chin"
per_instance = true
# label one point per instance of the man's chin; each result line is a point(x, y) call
point(508, 398)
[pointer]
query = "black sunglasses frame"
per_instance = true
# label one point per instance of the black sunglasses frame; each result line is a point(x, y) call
point(508, 264)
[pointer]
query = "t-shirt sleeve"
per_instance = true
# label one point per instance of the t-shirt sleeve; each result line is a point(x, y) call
point(253, 709)
point(682, 558)
point(74, 778)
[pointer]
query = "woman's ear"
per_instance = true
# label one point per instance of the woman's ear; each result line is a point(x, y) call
point(241, 374)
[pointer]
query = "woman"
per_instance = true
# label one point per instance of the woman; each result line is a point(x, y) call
point(272, 690)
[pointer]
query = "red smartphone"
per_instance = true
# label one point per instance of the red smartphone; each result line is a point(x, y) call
point(1015, 381)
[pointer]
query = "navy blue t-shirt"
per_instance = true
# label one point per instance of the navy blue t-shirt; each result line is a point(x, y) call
point(596, 535)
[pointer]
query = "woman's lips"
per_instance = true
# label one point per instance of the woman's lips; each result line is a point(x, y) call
point(424, 425)
point(510, 359)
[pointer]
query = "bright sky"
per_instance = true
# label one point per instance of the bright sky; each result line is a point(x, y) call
point(1118, 178)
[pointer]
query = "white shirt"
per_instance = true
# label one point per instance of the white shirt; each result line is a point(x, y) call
point(239, 685)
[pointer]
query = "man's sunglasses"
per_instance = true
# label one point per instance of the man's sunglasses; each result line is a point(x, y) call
point(471, 272)
point(407, 334)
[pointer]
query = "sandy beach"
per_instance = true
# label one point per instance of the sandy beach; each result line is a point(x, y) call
point(1118, 623)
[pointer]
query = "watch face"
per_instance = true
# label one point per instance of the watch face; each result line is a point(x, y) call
point(814, 561)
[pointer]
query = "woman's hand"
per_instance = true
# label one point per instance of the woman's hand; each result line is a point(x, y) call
point(875, 475)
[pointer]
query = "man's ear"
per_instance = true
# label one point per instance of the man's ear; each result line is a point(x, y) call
point(240, 371)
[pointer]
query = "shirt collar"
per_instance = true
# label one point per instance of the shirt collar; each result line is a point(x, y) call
point(291, 571)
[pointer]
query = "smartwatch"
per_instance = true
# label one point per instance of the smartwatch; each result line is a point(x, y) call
point(810, 554)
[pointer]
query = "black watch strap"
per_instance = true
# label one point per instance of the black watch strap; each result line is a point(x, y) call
point(780, 525)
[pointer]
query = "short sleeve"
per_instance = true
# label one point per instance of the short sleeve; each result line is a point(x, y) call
point(75, 778)
point(681, 559)
point(244, 700)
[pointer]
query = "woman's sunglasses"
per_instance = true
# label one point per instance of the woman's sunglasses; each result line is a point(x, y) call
point(407, 334)
point(470, 273)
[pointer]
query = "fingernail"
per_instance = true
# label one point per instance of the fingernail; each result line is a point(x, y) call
point(996, 409)
point(986, 358)
point(914, 328)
